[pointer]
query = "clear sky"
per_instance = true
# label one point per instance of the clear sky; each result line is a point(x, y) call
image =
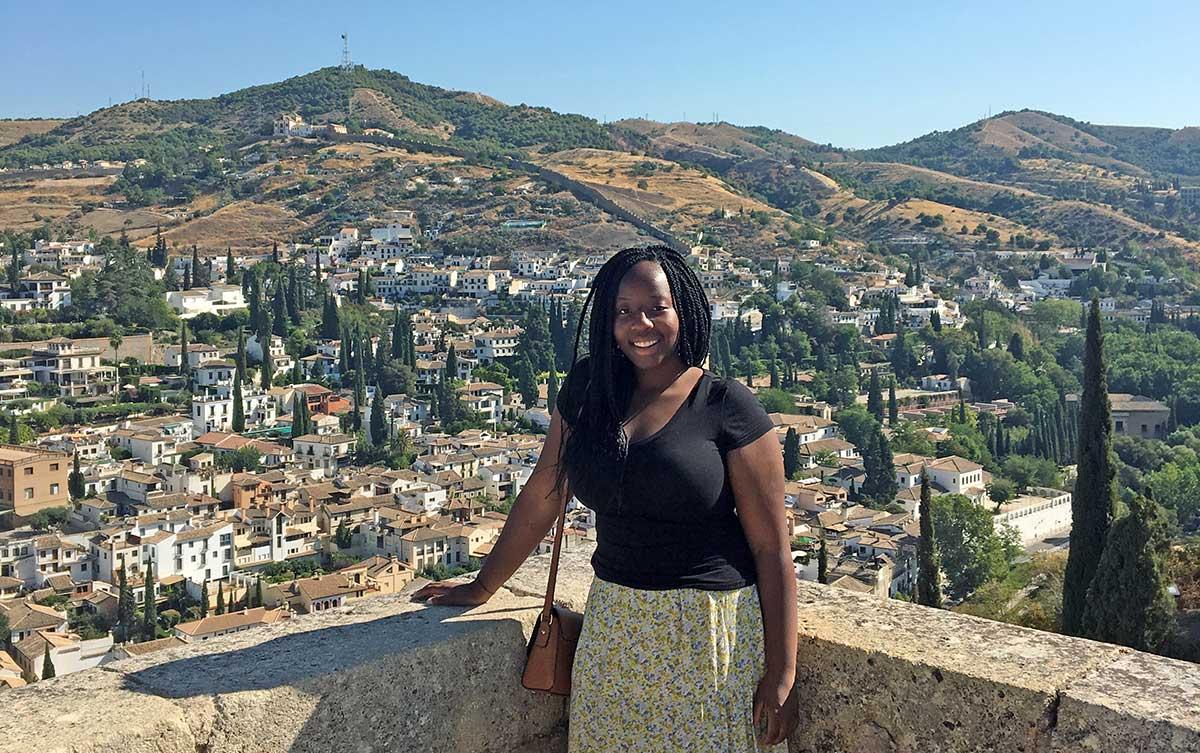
point(854, 74)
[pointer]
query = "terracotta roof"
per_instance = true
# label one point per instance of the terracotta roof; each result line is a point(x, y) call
point(232, 620)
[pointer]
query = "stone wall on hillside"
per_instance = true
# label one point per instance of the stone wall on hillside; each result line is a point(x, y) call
point(388, 674)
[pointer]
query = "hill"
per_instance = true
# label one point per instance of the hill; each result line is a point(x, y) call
point(993, 146)
point(172, 129)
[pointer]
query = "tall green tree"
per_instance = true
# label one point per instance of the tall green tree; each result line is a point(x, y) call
point(527, 382)
point(220, 597)
point(230, 268)
point(929, 566)
point(1095, 493)
point(14, 429)
point(893, 408)
point(301, 422)
point(239, 410)
point(267, 368)
point(874, 397)
point(360, 399)
point(125, 608)
point(258, 594)
point(150, 608)
point(1128, 602)
point(451, 364)
point(14, 271)
point(331, 328)
point(75, 482)
point(185, 364)
point(552, 385)
point(791, 453)
point(47, 665)
point(204, 600)
point(5, 632)
point(822, 561)
point(397, 335)
point(378, 423)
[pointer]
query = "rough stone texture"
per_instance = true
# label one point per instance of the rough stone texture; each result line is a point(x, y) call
point(90, 712)
point(1137, 703)
point(388, 674)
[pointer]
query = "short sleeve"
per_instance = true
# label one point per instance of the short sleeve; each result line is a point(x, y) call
point(573, 391)
point(743, 419)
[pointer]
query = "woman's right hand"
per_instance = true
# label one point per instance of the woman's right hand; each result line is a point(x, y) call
point(446, 594)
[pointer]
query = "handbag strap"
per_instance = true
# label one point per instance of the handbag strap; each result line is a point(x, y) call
point(558, 535)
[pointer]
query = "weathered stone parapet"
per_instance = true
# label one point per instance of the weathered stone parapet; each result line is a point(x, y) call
point(387, 674)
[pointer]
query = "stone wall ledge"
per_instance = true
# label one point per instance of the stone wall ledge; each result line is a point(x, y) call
point(389, 674)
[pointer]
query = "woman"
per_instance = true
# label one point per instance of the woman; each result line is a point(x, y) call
point(689, 638)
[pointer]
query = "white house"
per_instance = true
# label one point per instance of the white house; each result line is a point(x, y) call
point(219, 300)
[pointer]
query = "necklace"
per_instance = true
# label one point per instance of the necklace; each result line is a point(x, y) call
point(656, 395)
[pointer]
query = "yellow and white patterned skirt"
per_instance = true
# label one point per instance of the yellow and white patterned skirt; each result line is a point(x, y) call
point(667, 671)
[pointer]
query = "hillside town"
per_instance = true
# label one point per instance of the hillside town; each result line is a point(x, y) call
point(225, 475)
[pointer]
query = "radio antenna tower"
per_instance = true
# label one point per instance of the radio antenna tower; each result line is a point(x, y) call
point(346, 64)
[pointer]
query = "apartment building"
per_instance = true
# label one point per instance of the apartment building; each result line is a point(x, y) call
point(32, 479)
point(75, 369)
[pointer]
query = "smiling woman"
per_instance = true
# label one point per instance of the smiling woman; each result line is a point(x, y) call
point(689, 640)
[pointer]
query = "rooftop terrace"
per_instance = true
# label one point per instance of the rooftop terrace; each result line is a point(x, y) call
point(386, 674)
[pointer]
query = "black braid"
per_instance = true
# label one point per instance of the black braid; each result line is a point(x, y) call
point(595, 429)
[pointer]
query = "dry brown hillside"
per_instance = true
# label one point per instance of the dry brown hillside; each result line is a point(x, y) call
point(12, 131)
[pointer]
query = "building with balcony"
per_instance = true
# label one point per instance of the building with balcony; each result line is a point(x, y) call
point(75, 369)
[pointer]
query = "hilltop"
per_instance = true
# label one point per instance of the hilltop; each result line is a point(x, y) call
point(1027, 177)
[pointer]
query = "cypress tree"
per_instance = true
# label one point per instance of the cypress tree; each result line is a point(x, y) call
point(331, 329)
point(230, 269)
point(935, 321)
point(791, 453)
point(267, 369)
point(301, 423)
point(239, 410)
point(279, 308)
point(275, 251)
point(204, 600)
point(258, 595)
point(822, 561)
point(379, 433)
point(194, 269)
point(982, 331)
point(14, 429)
point(552, 386)
point(220, 597)
point(929, 576)
point(150, 610)
point(1093, 501)
point(893, 408)
point(360, 395)
point(874, 398)
point(185, 364)
point(1128, 602)
point(410, 346)
point(75, 482)
point(397, 335)
point(47, 665)
point(451, 363)
point(239, 356)
point(124, 626)
point(293, 296)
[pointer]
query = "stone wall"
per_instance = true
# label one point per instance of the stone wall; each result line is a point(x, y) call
point(387, 674)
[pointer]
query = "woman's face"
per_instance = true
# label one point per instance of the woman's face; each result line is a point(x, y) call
point(645, 322)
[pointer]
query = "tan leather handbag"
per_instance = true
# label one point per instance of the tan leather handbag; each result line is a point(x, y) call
point(551, 649)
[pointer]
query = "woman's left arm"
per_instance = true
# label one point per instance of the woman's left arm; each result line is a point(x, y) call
point(756, 474)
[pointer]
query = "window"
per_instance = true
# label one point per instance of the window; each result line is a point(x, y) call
point(54, 466)
point(28, 492)
point(28, 470)
point(54, 488)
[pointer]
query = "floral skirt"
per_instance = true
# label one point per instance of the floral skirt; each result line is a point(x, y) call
point(667, 671)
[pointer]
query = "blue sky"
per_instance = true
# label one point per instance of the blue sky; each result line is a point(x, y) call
point(853, 74)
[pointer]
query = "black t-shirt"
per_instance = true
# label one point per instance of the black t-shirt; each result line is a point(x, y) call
point(676, 526)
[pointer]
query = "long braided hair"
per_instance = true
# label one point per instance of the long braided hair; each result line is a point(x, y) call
point(596, 433)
